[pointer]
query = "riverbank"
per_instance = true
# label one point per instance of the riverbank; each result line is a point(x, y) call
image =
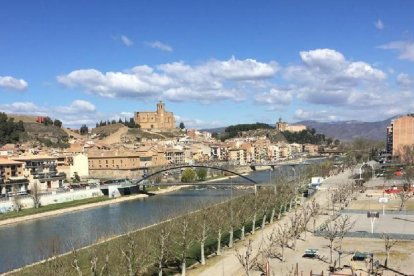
point(83, 206)
point(69, 209)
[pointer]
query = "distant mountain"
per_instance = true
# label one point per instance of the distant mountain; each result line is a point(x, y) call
point(350, 130)
point(212, 130)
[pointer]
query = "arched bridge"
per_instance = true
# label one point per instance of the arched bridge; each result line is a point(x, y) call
point(194, 166)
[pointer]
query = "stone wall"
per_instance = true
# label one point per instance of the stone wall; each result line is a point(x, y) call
point(114, 174)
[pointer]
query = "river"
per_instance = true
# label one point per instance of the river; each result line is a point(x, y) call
point(31, 241)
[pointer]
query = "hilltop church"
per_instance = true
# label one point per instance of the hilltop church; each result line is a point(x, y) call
point(159, 120)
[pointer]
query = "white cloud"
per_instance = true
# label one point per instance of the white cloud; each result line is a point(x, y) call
point(404, 48)
point(379, 25)
point(73, 115)
point(405, 81)
point(248, 69)
point(10, 83)
point(197, 123)
point(327, 77)
point(275, 98)
point(320, 115)
point(22, 108)
point(211, 81)
point(159, 45)
point(126, 41)
point(77, 106)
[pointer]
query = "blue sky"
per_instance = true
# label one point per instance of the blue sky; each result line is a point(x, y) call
point(214, 63)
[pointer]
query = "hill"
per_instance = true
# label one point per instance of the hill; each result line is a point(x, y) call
point(49, 135)
point(350, 130)
point(119, 133)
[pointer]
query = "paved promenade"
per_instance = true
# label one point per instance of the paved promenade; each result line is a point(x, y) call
point(227, 264)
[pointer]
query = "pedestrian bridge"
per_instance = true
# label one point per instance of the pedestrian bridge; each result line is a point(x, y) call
point(146, 177)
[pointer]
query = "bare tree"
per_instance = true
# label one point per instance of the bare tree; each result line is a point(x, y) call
point(265, 199)
point(75, 262)
point(244, 214)
point(184, 240)
point(282, 236)
point(201, 232)
point(344, 224)
point(388, 244)
point(94, 263)
point(105, 266)
point(331, 233)
point(135, 253)
point(306, 217)
point(232, 223)
point(404, 196)
point(16, 199)
point(162, 244)
point(296, 222)
point(255, 209)
point(35, 194)
point(220, 220)
point(247, 259)
point(314, 211)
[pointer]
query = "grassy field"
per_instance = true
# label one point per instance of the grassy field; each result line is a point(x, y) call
point(372, 204)
point(52, 207)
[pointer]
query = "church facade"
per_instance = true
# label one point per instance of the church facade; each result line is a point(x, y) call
point(158, 120)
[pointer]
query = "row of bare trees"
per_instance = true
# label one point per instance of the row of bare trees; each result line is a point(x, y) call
point(175, 244)
point(282, 236)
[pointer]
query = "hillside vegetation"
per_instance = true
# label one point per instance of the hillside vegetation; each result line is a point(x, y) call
point(10, 132)
point(48, 135)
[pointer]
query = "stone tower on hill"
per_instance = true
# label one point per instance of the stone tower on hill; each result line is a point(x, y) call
point(159, 120)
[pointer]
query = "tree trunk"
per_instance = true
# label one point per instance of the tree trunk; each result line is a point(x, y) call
point(330, 249)
point(264, 221)
point(160, 268)
point(272, 215)
point(386, 259)
point(231, 237)
point(242, 235)
point(203, 257)
point(219, 243)
point(314, 224)
point(254, 223)
point(183, 267)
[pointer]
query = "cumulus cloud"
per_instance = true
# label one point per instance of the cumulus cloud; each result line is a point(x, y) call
point(197, 123)
point(10, 83)
point(404, 48)
point(379, 25)
point(27, 108)
point(78, 106)
point(248, 69)
point(159, 45)
point(327, 77)
point(177, 81)
point(405, 81)
point(126, 41)
point(75, 114)
point(275, 98)
point(320, 115)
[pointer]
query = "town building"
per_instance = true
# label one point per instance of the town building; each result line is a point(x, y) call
point(11, 177)
point(283, 126)
point(158, 120)
point(400, 133)
point(43, 171)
